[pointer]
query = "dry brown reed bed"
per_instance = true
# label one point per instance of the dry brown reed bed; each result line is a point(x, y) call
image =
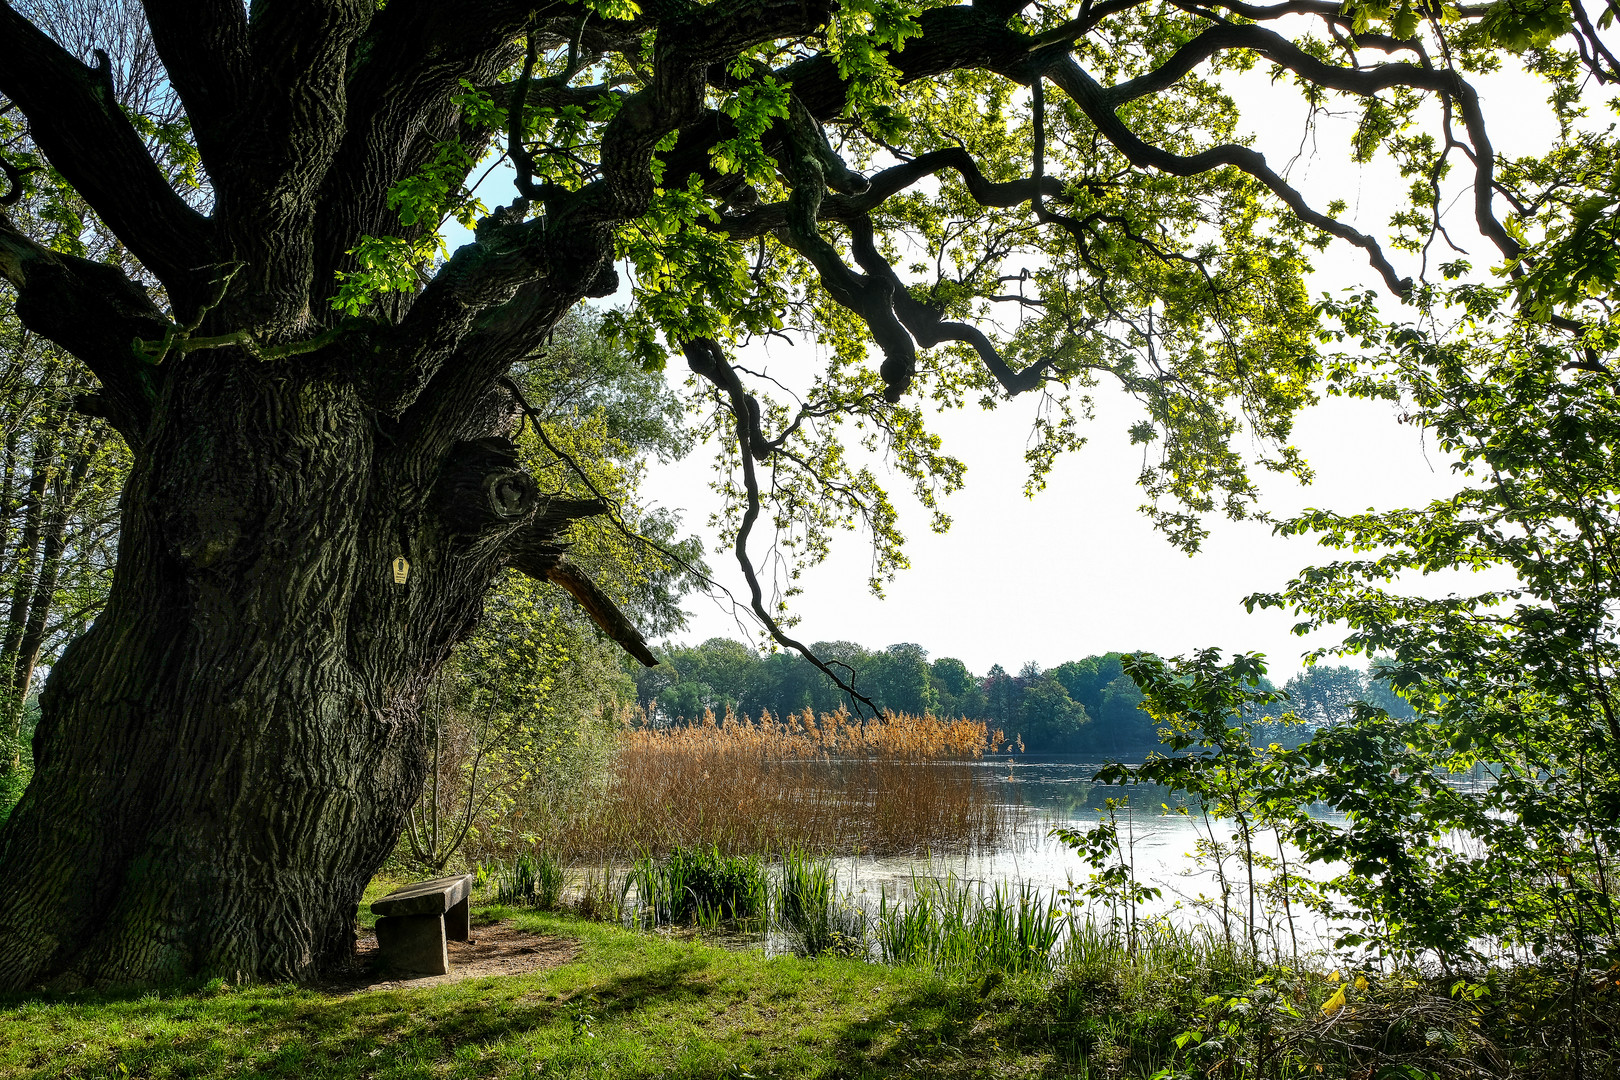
point(829, 784)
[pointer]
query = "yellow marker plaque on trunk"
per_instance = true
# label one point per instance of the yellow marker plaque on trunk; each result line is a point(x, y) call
point(402, 570)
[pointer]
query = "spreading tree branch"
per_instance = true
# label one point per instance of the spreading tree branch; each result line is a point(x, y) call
point(705, 358)
point(95, 312)
point(496, 298)
point(614, 623)
point(1099, 102)
point(74, 117)
point(886, 183)
point(1093, 101)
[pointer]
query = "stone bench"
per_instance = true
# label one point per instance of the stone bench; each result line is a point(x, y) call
point(414, 922)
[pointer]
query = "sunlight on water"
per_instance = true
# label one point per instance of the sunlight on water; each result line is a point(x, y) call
point(1058, 791)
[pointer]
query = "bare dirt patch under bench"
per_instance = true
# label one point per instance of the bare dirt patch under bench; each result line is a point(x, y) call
point(495, 949)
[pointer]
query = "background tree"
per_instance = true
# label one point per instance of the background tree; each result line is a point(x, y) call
point(311, 391)
point(58, 499)
point(1047, 719)
point(1324, 697)
point(958, 691)
point(1087, 706)
point(897, 679)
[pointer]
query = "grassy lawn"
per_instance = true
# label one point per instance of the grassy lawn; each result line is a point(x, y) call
point(631, 1005)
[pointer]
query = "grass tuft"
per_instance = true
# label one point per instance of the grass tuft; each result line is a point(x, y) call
point(809, 910)
point(702, 885)
point(1011, 930)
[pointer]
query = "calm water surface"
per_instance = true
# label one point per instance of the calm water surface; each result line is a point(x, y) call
point(1058, 791)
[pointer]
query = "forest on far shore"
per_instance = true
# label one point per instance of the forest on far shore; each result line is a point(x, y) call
point(1078, 707)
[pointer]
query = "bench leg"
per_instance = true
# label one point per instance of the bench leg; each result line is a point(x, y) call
point(414, 943)
point(456, 921)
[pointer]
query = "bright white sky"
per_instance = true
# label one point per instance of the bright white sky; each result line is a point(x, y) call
point(1077, 570)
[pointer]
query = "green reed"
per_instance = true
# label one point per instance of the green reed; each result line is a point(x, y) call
point(953, 928)
point(810, 911)
point(533, 879)
point(703, 885)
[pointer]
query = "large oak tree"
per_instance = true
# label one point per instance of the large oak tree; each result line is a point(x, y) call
point(310, 392)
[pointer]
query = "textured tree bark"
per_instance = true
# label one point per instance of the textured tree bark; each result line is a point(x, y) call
point(229, 753)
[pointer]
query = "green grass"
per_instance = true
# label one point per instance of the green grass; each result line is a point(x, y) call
point(643, 1005)
point(632, 1005)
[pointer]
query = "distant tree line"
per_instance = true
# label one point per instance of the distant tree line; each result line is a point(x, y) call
point(1079, 707)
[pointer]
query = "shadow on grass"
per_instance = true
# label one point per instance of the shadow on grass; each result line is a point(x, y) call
point(949, 1029)
point(978, 1027)
point(272, 1031)
point(262, 1033)
point(669, 983)
point(637, 1010)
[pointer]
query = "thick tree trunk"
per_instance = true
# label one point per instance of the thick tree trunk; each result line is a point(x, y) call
point(228, 755)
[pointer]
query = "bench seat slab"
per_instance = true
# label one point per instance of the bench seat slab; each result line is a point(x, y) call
point(425, 897)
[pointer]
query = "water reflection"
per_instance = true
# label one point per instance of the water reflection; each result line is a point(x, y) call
point(1051, 791)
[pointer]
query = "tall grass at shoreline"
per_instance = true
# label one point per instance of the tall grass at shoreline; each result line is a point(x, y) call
point(1011, 929)
point(827, 784)
point(1147, 997)
point(1112, 991)
point(700, 885)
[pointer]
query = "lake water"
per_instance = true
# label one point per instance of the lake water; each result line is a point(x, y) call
point(1161, 845)
point(1058, 791)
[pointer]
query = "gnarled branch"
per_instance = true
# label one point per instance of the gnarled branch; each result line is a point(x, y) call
point(1361, 81)
point(540, 552)
point(14, 182)
point(614, 623)
point(1093, 100)
point(75, 119)
point(889, 182)
point(94, 311)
